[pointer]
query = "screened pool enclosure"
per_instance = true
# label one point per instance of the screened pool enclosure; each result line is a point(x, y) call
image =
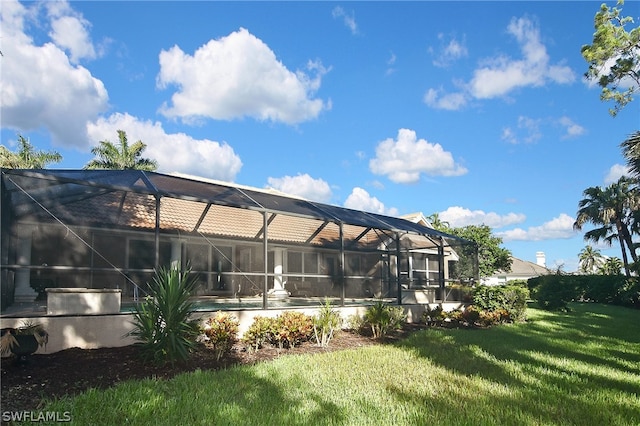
point(245, 246)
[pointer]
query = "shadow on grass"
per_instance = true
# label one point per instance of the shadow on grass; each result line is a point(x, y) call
point(236, 396)
point(550, 363)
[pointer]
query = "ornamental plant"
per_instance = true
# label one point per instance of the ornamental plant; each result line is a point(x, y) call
point(221, 331)
point(382, 318)
point(325, 323)
point(161, 322)
point(292, 328)
point(259, 333)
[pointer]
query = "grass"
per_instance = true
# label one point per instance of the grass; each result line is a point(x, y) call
point(581, 367)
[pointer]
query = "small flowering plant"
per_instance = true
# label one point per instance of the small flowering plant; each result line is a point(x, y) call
point(221, 332)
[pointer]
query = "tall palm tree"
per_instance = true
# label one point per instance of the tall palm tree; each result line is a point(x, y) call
point(590, 260)
point(612, 209)
point(121, 156)
point(437, 223)
point(611, 266)
point(631, 151)
point(26, 157)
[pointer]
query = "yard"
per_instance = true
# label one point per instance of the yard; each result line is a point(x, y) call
point(581, 367)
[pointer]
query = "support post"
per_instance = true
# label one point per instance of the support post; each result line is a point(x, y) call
point(398, 273)
point(265, 287)
point(341, 266)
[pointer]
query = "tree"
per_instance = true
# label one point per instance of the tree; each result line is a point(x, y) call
point(121, 156)
point(611, 266)
point(437, 223)
point(614, 57)
point(590, 260)
point(26, 157)
point(631, 151)
point(491, 257)
point(612, 208)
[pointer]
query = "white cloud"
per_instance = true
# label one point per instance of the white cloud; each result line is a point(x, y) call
point(500, 75)
point(560, 227)
point(404, 159)
point(175, 152)
point(69, 30)
point(459, 216)
point(450, 51)
point(40, 87)
point(527, 131)
point(572, 129)
point(448, 101)
point(616, 172)
point(359, 199)
point(238, 76)
point(303, 186)
point(349, 20)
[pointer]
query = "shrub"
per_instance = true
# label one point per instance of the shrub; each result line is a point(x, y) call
point(433, 316)
point(259, 333)
point(382, 318)
point(511, 297)
point(355, 323)
point(161, 322)
point(489, 318)
point(325, 323)
point(471, 315)
point(221, 331)
point(292, 328)
point(287, 330)
point(554, 292)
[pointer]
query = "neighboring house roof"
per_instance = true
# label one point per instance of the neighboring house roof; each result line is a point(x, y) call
point(522, 269)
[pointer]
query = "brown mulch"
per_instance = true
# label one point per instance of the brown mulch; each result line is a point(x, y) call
point(24, 386)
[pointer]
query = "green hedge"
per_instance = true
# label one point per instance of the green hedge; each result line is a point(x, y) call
point(554, 292)
point(510, 297)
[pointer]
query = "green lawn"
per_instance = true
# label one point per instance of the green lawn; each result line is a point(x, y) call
point(578, 368)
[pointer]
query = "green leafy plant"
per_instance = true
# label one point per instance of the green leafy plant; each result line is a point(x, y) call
point(325, 324)
point(382, 318)
point(161, 322)
point(433, 316)
point(259, 333)
point(221, 331)
point(292, 328)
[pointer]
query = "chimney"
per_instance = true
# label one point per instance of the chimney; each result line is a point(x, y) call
point(541, 259)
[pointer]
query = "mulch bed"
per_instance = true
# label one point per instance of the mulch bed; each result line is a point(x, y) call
point(72, 371)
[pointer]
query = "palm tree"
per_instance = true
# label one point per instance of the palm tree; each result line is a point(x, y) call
point(26, 157)
point(631, 151)
point(437, 223)
point(121, 156)
point(611, 266)
point(612, 208)
point(590, 260)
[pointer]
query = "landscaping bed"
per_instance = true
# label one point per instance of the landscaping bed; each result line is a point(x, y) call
point(71, 371)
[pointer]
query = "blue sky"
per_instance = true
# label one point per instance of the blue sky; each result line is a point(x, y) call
point(475, 110)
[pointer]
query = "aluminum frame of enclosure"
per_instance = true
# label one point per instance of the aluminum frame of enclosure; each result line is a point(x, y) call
point(88, 212)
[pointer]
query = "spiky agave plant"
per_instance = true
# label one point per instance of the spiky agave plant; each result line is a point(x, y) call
point(162, 321)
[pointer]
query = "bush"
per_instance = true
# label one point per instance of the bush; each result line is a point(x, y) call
point(382, 318)
point(511, 297)
point(287, 330)
point(554, 292)
point(161, 322)
point(221, 331)
point(259, 333)
point(292, 328)
point(325, 323)
point(433, 316)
